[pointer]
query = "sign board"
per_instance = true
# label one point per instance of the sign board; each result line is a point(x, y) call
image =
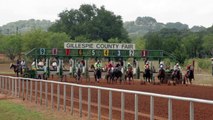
point(109, 46)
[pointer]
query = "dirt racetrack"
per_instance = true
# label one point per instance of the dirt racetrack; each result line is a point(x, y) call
point(180, 108)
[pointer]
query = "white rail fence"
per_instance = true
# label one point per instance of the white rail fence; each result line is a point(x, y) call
point(15, 86)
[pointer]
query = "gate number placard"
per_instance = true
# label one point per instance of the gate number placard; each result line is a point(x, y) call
point(42, 51)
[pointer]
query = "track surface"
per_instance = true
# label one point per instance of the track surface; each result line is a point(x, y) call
point(180, 108)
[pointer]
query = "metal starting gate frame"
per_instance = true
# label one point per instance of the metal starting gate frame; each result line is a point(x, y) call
point(61, 54)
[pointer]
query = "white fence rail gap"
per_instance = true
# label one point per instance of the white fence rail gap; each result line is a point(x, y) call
point(30, 89)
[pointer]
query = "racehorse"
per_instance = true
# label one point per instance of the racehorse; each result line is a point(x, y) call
point(129, 75)
point(113, 75)
point(97, 74)
point(17, 69)
point(147, 75)
point(77, 74)
point(176, 76)
point(188, 77)
point(161, 75)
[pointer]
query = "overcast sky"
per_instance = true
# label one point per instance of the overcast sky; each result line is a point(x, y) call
point(191, 12)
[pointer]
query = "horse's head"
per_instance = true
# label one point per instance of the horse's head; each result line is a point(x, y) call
point(12, 65)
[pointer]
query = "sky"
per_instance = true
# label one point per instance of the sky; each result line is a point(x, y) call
point(191, 12)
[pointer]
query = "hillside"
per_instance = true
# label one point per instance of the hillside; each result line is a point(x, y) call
point(143, 25)
point(139, 27)
point(22, 26)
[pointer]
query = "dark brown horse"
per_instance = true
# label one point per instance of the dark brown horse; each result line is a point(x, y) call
point(129, 74)
point(161, 75)
point(17, 69)
point(188, 77)
point(177, 77)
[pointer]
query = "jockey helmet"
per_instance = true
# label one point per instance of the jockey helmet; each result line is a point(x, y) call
point(128, 63)
point(161, 62)
point(177, 64)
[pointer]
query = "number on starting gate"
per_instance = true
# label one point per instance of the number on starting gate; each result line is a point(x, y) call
point(42, 51)
point(106, 52)
point(131, 53)
point(80, 52)
point(144, 53)
point(54, 51)
point(93, 52)
point(119, 53)
point(67, 52)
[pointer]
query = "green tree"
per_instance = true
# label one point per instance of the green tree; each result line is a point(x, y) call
point(139, 43)
point(35, 39)
point(12, 46)
point(56, 40)
point(208, 44)
point(192, 44)
point(92, 23)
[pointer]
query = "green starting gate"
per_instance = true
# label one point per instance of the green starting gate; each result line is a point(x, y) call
point(91, 53)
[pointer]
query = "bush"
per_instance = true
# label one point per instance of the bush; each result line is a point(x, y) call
point(204, 63)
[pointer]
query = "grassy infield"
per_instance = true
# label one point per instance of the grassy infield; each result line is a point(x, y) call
point(12, 111)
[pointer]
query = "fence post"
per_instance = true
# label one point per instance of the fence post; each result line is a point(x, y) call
point(58, 94)
point(3, 85)
point(15, 87)
point(191, 111)
point(151, 108)
point(122, 105)
point(72, 95)
point(52, 96)
point(6, 89)
point(31, 90)
point(89, 103)
point(22, 88)
point(10, 88)
point(99, 104)
point(170, 109)
point(27, 89)
point(46, 98)
point(136, 107)
point(13, 90)
point(40, 92)
point(110, 105)
point(80, 101)
point(36, 88)
point(64, 98)
point(19, 87)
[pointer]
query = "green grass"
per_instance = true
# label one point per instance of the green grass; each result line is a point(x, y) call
point(12, 111)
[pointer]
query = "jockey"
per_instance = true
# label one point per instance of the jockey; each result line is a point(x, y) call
point(188, 67)
point(98, 65)
point(33, 66)
point(146, 66)
point(177, 67)
point(79, 66)
point(109, 65)
point(161, 66)
point(129, 66)
point(54, 65)
point(23, 64)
